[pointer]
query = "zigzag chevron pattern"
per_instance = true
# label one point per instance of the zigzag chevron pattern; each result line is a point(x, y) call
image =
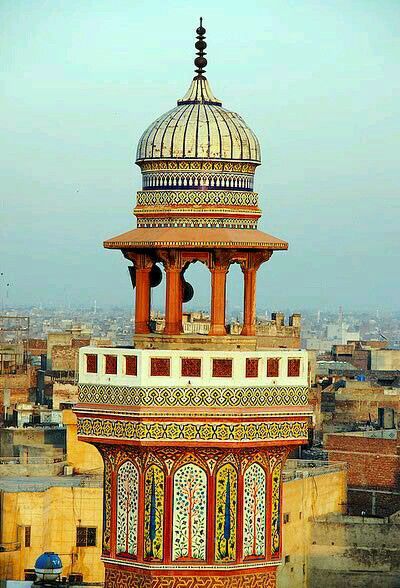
point(123, 579)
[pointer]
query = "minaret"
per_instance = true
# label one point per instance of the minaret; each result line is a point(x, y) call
point(194, 430)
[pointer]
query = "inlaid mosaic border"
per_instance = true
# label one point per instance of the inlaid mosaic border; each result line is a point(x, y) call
point(172, 431)
point(197, 197)
point(223, 166)
point(207, 396)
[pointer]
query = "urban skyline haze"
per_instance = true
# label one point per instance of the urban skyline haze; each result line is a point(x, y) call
point(318, 82)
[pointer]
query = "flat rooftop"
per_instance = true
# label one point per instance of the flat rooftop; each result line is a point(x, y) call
point(42, 483)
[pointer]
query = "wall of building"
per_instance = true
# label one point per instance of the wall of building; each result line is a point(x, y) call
point(304, 499)
point(359, 402)
point(354, 551)
point(373, 463)
point(64, 394)
point(83, 457)
point(64, 358)
point(385, 359)
point(53, 515)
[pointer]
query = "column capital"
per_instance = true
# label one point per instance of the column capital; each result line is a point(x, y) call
point(141, 261)
point(254, 259)
point(170, 258)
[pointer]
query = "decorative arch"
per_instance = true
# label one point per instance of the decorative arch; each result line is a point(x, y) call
point(276, 510)
point(189, 513)
point(226, 513)
point(127, 508)
point(254, 515)
point(154, 513)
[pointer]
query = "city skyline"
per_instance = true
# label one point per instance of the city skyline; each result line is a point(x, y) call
point(74, 111)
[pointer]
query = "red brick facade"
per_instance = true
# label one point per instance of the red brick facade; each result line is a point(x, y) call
point(373, 463)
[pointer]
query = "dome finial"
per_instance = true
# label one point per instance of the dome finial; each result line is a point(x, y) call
point(200, 61)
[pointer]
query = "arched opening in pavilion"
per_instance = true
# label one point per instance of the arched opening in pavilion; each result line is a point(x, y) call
point(234, 299)
point(196, 309)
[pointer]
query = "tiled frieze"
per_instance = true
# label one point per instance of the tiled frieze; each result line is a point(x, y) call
point(122, 578)
point(191, 431)
point(196, 165)
point(197, 198)
point(207, 396)
point(198, 221)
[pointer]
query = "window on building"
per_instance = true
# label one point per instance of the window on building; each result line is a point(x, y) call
point(131, 365)
point(86, 536)
point(91, 363)
point(27, 536)
point(294, 368)
point(191, 367)
point(287, 559)
point(222, 368)
point(252, 367)
point(286, 518)
point(111, 364)
point(160, 366)
point(273, 367)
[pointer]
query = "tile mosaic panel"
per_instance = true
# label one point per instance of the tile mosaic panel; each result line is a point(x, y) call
point(254, 511)
point(127, 508)
point(154, 513)
point(276, 511)
point(189, 513)
point(226, 513)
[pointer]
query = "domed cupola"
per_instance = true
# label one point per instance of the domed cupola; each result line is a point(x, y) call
point(198, 159)
point(198, 162)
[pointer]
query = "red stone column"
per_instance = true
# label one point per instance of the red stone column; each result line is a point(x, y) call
point(218, 300)
point(249, 311)
point(173, 303)
point(142, 304)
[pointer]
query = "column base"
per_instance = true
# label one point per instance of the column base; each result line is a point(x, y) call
point(117, 577)
point(142, 328)
point(248, 331)
point(217, 330)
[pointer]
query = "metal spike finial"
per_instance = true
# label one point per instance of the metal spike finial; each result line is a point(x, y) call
point(200, 61)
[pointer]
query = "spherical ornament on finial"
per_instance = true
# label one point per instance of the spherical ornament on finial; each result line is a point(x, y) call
point(200, 61)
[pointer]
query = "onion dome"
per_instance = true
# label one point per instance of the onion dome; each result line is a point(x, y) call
point(199, 127)
point(198, 163)
point(48, 566)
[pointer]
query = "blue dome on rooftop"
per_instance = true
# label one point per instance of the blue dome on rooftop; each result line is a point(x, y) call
point(48, 565)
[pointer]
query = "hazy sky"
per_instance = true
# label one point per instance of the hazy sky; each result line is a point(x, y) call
point(317, 80)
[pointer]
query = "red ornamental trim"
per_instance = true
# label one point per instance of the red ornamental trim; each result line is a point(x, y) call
point(91, 363)
point(273, 367)
point(294, 368)
point(160, 366)
point(131, 365)
point(111, 364)
point(252, 367)
point(222, 368)
point(191, 367)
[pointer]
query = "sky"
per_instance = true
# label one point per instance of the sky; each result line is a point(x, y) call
point(318, 81)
